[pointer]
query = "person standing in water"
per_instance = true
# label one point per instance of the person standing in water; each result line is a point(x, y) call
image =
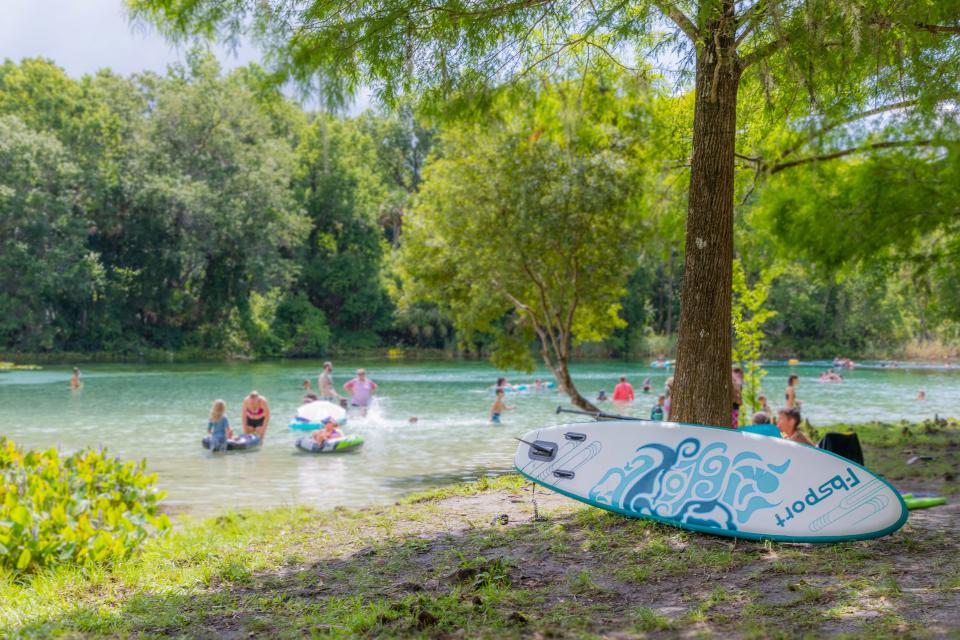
point(361, 390)
point(325, 386)
point(499, 406)
point(75, 379)
point(623, 392)
point(256, 414)
point(218, 426)
point(791, 393)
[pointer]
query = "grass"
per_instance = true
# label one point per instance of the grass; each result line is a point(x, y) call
point(412, 570)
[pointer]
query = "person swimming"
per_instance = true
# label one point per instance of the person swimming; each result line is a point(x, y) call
point(602, 396)
point(646, 385)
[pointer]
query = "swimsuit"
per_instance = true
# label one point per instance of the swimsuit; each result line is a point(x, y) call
point(256, 418)
point(495, 418)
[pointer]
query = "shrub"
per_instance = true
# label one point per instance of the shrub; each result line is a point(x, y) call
point(85, 508)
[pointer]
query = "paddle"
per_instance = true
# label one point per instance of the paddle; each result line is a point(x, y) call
point(599, 415)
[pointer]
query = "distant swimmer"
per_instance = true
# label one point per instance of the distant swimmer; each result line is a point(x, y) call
point(413, 420)
point(499, 406)
point(646, 385)
point(75, 379)
point(218, 426)
point(602, 396)
point(361, 390)
point(256, 414)
point(922, 395)
point(623, 392)
point(306, 384)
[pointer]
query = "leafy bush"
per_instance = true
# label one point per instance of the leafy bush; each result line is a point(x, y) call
point(84, 508)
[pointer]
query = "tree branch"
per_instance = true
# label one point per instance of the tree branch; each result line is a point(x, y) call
point(751, 17)
point(776, 168)
point(839, 123)
point(683, 22)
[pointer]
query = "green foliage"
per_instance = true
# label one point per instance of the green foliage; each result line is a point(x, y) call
point(528, 225)
point(750, 314)
point(85, 508)
point(301, 327)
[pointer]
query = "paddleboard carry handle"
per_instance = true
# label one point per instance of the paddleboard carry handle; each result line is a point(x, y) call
point(564, 474)
point(597, 415)
point(576, 437)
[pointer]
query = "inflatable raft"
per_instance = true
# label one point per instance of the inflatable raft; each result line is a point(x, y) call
point(345, 443)
point(314, 415)
point(237, 443)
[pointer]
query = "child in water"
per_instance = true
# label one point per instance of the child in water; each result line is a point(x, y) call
point(498, 407)
point(657, 413)
point(329, 432)
point(218, 426)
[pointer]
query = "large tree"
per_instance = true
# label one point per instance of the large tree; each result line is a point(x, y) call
point(837, 62)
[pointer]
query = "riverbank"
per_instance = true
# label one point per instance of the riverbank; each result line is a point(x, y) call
point(470, 561)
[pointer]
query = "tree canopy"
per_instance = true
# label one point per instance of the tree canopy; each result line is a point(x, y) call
point(816, 67)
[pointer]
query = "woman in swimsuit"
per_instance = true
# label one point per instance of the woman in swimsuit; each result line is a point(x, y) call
point(256, 414)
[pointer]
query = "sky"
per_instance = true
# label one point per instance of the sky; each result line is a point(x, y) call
point(82, 36)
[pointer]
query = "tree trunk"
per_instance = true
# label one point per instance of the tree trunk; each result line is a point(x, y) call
point(702, 393)
point(565, 382)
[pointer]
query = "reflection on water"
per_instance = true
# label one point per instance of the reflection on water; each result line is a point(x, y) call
point(159, 412)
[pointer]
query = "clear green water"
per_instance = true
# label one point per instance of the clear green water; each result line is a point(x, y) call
point(159, 412)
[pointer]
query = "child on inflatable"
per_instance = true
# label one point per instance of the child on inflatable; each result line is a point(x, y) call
point(218, 426)
point(329, 431)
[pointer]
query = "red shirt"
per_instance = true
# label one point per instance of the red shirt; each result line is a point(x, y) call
point(623, 392)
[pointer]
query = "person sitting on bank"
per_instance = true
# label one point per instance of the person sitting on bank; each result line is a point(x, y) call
point(256, 414)
point(788, 421)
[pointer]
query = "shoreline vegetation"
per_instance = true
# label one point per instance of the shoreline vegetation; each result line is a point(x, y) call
point(916, 354)
point(469, 560)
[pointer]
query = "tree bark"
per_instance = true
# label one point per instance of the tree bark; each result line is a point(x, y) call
point(702, 393)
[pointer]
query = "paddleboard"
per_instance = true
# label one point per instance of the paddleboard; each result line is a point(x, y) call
point(713, 480)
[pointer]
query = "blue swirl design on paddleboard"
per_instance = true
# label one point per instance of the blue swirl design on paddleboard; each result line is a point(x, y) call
point(692, 484)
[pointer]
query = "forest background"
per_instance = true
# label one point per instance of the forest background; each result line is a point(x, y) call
point(209, 215)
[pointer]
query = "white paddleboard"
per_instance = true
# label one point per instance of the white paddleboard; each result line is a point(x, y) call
point(713, 480)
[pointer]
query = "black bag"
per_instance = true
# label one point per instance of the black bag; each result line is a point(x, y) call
point(843, 444)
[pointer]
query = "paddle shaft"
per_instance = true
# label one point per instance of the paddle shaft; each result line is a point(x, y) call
point(598, 414)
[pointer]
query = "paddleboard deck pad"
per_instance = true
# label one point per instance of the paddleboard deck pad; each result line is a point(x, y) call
point(713, 480)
